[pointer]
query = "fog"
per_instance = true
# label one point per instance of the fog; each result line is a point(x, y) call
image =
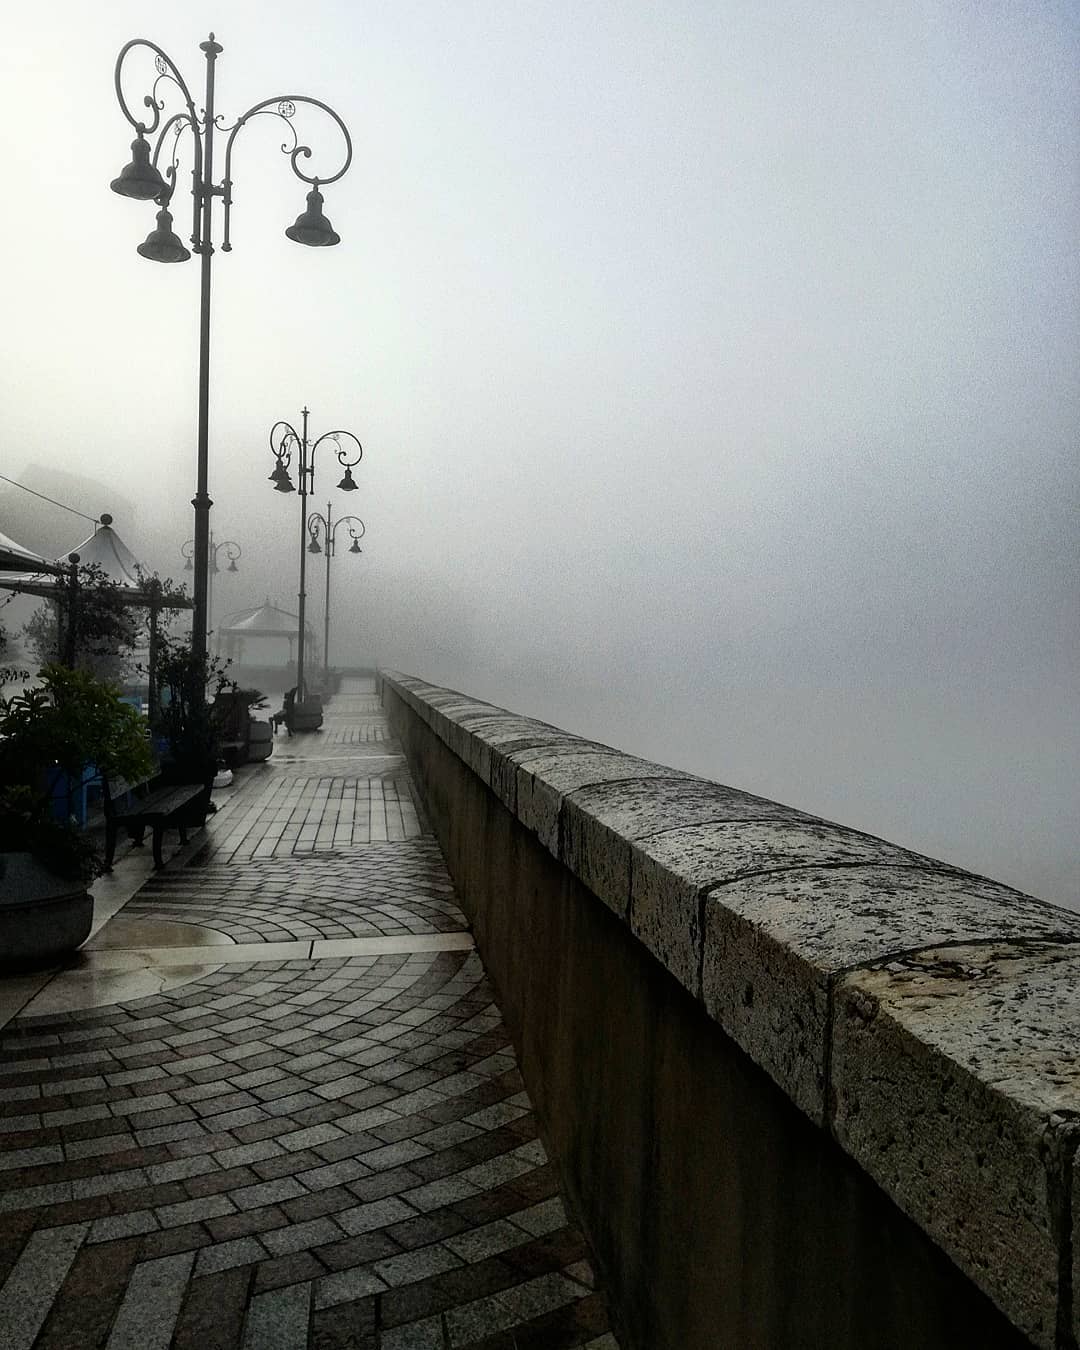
point(715, 366)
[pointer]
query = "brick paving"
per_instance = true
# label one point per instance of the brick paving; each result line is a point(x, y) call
point(386, 888)
point(283, 1154)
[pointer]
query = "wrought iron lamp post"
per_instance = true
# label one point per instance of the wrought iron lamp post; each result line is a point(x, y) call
point(285, 441)
point(329, 528)
point(232, 551)
point(143, 180)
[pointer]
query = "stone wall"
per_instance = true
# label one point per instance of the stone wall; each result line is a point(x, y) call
point(804, 1087)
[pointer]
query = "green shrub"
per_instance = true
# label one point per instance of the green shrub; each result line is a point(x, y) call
point(71, 720)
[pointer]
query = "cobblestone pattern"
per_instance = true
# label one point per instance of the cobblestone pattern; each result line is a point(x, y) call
point(334, 1154)
point(343, 763)
point(342, 1147)
point(316, 812)
point(377, 891)
point(355, 735)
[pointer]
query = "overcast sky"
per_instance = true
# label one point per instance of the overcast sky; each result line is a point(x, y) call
point(715, 365)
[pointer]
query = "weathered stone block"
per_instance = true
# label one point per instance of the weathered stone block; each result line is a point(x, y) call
point(485, 731)
point(955, 1077)
point(673, 871)
point(773, 944)
point(544, 780)
point(508, 754)
point(603, 821)
point(1076, 1247)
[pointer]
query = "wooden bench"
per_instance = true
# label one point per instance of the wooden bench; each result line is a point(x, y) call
point(160, 809)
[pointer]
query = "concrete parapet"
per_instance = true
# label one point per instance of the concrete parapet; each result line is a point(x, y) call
point(917, 1025)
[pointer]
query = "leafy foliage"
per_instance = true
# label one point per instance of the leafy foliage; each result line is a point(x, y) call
point(72, 720)
point(9, 674)
point(184, 717)
point(91, 619)
point(25, 827)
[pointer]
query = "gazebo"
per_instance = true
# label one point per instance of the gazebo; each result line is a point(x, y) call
point(266, 622)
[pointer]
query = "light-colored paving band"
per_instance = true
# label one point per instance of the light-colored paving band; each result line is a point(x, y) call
point(121, 974)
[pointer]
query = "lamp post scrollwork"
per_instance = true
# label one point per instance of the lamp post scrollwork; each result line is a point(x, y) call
point(288, 444)
point(328, 527)
point(143, 179)
point(231, 550)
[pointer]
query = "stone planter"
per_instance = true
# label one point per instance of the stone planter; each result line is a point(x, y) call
point(42, 916)
point(260, 741)
point(307, 716)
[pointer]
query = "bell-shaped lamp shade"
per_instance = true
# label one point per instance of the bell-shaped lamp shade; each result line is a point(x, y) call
point(189, 566)
point(312, 227)
point(161, 245)
point(139, 179)
point(354, 547)
point(314, 546)
point(348, 483)
point(280, 478)
point(232, 566)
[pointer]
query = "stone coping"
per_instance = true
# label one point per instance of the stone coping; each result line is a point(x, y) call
point(925, 1017)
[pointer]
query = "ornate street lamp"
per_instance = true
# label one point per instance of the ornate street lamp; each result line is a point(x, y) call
point(329, 527)
point(285, 441)
point(232, 551)
point(143, 180)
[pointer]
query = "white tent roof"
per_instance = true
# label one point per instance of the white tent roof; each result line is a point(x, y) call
point(104, 549)
point(13, 555)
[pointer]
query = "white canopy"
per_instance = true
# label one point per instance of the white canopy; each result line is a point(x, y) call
point(104, 549)
point(19, 559)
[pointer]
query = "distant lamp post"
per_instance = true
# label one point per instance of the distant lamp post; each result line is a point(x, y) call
point(142, 180)
point(68, 632)
point(285, 442)
point(232, 551)
point(326, 525)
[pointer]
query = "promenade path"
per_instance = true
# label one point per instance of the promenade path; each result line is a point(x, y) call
point(273, 1105)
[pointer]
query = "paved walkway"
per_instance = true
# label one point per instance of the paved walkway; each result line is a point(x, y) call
point(274, 1106)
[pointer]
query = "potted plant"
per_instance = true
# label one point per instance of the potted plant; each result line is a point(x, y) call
point(189, 735)
point(70, 721)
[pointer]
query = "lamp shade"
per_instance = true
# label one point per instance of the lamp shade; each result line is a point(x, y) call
point(348, 483)
point(161, 244)
point(280, 478)
point(139, 179)
point(314, 546)
point(312, 227)
point(354, 547)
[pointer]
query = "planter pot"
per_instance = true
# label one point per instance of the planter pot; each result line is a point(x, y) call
point(260, 740)
point(307, 716)
point(42, 916)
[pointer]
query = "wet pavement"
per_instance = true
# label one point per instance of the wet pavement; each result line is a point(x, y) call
point(273, 1104)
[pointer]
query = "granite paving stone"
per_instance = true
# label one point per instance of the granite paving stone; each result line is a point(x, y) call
point(304, 1148)
point(151, 1303)
point(29, 1290)
point(279, 1320)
